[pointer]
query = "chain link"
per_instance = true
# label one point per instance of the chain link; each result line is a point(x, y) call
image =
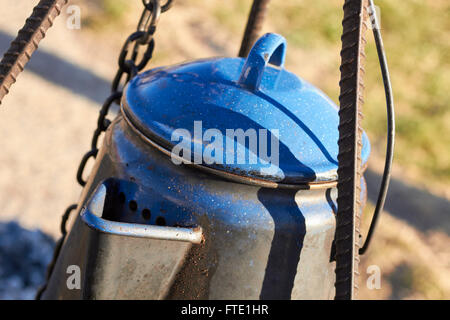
point(134, 56)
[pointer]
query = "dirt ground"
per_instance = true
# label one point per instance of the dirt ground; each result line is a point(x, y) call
point(47, 121)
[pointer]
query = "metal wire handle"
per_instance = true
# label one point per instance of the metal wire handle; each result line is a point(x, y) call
point(390, 126)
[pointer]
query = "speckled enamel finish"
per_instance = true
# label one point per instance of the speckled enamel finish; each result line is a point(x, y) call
point(163, 100)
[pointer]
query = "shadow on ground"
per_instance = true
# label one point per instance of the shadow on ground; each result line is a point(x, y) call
point(419, 208)
point(57, 70)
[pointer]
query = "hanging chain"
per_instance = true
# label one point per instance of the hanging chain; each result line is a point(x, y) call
point(141, 42)
point(134, 56)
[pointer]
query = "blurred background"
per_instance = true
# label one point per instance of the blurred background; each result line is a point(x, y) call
point(47, 121)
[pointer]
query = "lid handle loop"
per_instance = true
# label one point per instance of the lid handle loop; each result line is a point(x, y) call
point(270, 48)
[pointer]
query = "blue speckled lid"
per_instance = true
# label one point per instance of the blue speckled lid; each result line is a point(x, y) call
point(191, 106)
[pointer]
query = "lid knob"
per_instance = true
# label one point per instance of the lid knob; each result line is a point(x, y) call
point(270, 48)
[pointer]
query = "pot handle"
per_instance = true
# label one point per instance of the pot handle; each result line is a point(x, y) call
point(92, 215)
point(270, 48)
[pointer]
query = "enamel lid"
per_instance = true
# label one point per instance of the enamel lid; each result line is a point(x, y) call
point(249, 117)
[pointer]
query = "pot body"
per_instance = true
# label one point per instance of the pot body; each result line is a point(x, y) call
point(257, 242)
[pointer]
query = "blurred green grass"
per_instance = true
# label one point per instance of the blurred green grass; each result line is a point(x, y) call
point(105, 13)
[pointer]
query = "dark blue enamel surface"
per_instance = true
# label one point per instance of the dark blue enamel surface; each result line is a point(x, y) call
point(165, 99)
